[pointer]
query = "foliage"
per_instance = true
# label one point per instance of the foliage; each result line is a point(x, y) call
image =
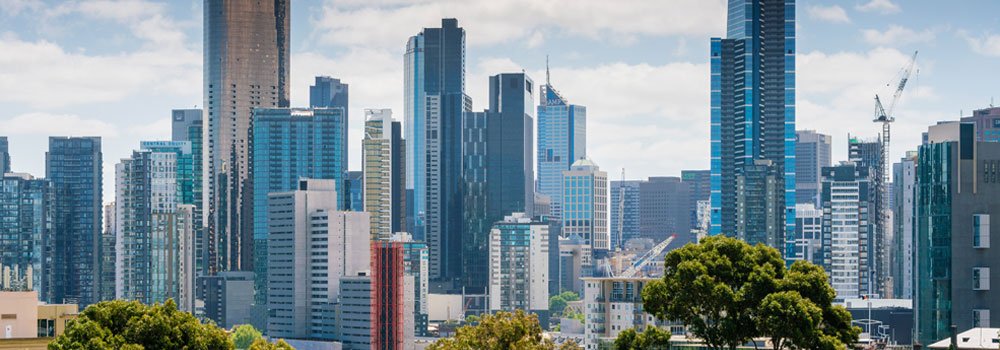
point(261, 344)
point(501, 331)
point(244, 335)
point(131, 325)
point(557, 303)
point(653, 338)
point(728, 292)
point(574, 315)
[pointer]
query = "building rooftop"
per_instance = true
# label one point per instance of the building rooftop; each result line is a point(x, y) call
point(976, 338)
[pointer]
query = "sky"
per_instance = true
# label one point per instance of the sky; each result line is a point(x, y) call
point(115, 69)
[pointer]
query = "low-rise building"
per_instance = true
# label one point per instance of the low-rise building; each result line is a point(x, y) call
point(26, 323)
point(612, 305)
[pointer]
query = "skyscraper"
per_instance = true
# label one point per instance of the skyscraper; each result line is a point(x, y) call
point(847, 230)
point(700, 187)
point(624, 209)
point(903, 181)
point(758, 206)
point(519, 266)
point(332, 93)
point(663, 210)
point(187, 125)
point(812, 153)
point(753, 110)
point(154, 225)
point(392, 297)
point(585, 198)
point(869, 154)
point(562, 140)
point(74, 165)
point(415, 266)
point(246, 66)
point(434, 104)
point(384, 183)
point(27, 207)
point(109, 253)
point(4, 156)
point(497, 168)
point(808, 234)
point(311, 245)
point(957, 186)
point(288, 145)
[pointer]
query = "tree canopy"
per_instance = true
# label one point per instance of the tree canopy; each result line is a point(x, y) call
point(500, 331)
point(557, 303)
point(245, 335)
point(727, 292)
point(131, 325)
point(261, 344)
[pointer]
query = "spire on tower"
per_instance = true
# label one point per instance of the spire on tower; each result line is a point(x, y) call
point(547, 80)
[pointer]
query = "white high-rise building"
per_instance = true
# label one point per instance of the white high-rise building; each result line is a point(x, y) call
point(384, 183)
point(585, 204)
point(311, 246)
point(848, 250)
point(904, 179)
point(519, 265)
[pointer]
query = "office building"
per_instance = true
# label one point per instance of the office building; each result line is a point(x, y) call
point(330, 92)
point(187, 125)
point(808, 234)
point(519, 266)
point(847, 230)
point(699, 184)
point(354, 191)
point(585, 208)
point(562, 140)
point(664, 210)
point(228, 297)
point(27, 209)
point(753, 116)
point(384, 188)
point(612, 305)
point(415, 262)
point(624, 208)
point(576, 261)
point(109, 252)
point(310, 246)
point(354, 312)
point(904, 176)
point(987, 122)
point(289, 145)
point(812, 153)
point(154, 230)
point(434, 104)
point(497, 167)
point(4, 155)
point(957, 186)
point(246, 55)
point(758, 205)
point(74, 166)
point(392, 323)
point(868, 153)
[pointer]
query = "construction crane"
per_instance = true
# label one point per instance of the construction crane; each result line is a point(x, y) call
point(885, 117)
point(645, 258)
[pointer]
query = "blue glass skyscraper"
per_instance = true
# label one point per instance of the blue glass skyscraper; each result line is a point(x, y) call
point(290, 144)
point(4, 156)
point(753, 114)
point(330, 92)
point(497, 166)
point(562, 140)
point(434, 104)
point(74, 165)
point(26, 213)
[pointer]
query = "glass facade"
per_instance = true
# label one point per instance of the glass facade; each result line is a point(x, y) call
point(624, 223)
point(4, 156)
point(187, 126)
point(562, 139)
point(932, 276)
point(26, 218)
point(812, 153)
point(753, 109)
point(585, 199)
point(74, 166)
point(384, 179)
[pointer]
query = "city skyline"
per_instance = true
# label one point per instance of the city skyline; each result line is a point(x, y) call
point(652, 95)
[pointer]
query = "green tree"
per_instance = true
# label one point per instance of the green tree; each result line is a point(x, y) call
point(244, 335)
point(653, 338)
point(557, 303)
point(789, 319)
point(131, 325)
point(501, 331)
point(261, 344)
point(834, 330)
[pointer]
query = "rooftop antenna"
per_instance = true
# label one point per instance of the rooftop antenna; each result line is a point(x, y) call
point(547, 80)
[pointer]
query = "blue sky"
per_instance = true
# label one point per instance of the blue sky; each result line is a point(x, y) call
point(116, 68)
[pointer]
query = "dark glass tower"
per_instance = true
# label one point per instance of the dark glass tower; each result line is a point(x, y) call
point(26, 210)
point(4, 156)
point(753, 113)
point(435, 102)
point(74, 166)
point(498, 169)
point(332, 93)
point(245, 67)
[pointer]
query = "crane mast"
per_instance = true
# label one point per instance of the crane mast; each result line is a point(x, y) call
point(885, 117)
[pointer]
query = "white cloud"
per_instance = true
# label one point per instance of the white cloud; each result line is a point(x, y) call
point(536, 39)
point(881, 6)
point(988, 45)
point(834, 14)
point(45, 124)
point(387, 24)
point(897, 35)
point(15, 7)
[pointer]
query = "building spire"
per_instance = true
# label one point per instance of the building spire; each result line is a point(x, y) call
point(548, 82)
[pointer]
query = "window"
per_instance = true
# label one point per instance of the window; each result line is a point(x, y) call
point(981, 278)
point(981, 318)
point(981, 231)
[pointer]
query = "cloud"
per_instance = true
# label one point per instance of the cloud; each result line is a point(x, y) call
point(988, 45)
point(387, 24)
point(880, 6)
point(897, 35)
point(44, 124)
point(15, 7)
point(833, 14)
